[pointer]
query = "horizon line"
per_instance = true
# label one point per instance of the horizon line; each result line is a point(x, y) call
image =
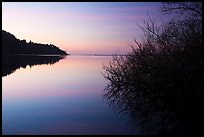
point(97, 54)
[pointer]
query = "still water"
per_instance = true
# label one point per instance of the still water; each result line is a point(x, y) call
point(62, 97)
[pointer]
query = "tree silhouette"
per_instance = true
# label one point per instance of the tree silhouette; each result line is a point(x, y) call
point(159, 83)
point(12, 45)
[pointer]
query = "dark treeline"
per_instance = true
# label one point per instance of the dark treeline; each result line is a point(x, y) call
point(10, 63)
point(159, 84)
point(12, 45)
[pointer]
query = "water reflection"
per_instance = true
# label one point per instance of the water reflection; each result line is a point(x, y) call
point(64, 98)
point(10, 63)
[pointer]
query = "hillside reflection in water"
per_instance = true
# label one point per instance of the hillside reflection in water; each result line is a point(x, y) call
point(62, 98)
point(10, 63)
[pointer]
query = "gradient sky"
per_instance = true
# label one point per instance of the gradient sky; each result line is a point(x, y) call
point(79, 27)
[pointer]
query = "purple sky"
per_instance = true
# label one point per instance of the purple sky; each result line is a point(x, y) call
point(79, 27)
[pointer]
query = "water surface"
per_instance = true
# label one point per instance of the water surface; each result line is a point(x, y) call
point(62, 97)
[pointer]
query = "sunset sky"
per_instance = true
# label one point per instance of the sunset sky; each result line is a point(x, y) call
point(79, 27)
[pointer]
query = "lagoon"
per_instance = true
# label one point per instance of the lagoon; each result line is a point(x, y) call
point(64, 97)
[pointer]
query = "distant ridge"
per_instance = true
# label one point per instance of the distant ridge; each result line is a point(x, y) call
point(92, 54)
point(12, 45)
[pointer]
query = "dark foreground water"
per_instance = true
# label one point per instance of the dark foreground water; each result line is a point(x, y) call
point(63, 96)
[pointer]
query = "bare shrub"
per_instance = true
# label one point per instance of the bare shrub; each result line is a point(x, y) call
point(159, 83)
